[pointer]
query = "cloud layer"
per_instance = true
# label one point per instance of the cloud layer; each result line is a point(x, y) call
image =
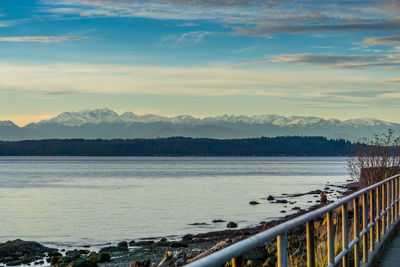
point(208, 81)
point(40, 39)
point(384, 40)
point(355, 61)
point(249, 17)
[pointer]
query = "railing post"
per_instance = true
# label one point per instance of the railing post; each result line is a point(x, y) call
point(396, 197)
point(345, 234)
point(282, 250)
point(378, 211)
point(365, 226)
point(391, 201)
point(371, 220)
point(383, 191)
point(237, 262)
point(356, 233)
point(387, 204)
point(310, 244)
point(331, 238)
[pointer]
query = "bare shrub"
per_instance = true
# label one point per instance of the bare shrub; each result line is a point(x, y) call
point(373, 160)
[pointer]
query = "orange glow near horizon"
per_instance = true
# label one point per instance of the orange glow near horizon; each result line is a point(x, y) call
point(22, 120)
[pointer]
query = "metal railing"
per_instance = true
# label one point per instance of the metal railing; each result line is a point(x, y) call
point(380, 213)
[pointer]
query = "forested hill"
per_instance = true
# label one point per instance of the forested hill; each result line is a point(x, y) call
point(179, 146)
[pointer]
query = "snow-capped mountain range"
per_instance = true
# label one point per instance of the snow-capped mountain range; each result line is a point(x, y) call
point(105, 123)
point(98, 116)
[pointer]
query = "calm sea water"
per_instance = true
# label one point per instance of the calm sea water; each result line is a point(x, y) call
point(75, 201)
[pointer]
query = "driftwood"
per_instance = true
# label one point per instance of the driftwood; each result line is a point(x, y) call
point(222, 244)
point(172, 259)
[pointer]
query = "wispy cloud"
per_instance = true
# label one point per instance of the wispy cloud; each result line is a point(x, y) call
point(384, 40)
point(395, 80)
point(323, 59)
point(98, 13)
point(322, 47)
point(41, 39)
point(184, 38)
point(10, 23)
point(246, 49)
point(265, 30)
point(62, 10)
point(188, 24)
point(357, 61)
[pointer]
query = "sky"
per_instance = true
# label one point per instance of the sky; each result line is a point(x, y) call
point(330, 59)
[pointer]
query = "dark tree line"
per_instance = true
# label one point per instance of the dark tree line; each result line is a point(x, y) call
point(179, 146)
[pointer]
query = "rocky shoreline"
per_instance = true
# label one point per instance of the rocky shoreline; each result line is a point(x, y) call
point(162, 252)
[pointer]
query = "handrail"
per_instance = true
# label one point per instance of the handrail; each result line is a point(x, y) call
point(386, 213)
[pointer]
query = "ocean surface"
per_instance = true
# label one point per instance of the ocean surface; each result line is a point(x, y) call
point(75, 201)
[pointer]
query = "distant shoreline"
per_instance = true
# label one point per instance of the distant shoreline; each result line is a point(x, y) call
point(180, 146)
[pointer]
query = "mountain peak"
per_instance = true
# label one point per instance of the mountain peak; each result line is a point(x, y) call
point(94, 116)
point(7, 124)
point(367, 122)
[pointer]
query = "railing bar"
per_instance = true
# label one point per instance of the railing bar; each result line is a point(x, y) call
point(387, 210)
point(341, 255)
point(353, 242)
point(363, 232)
point(368, 227)
point(224, 255)
point(350, 246)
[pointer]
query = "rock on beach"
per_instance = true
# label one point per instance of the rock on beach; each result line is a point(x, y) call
point(232, 225)
point(19, 252)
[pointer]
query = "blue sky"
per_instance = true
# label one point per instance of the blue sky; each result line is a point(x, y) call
point(319, 58)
